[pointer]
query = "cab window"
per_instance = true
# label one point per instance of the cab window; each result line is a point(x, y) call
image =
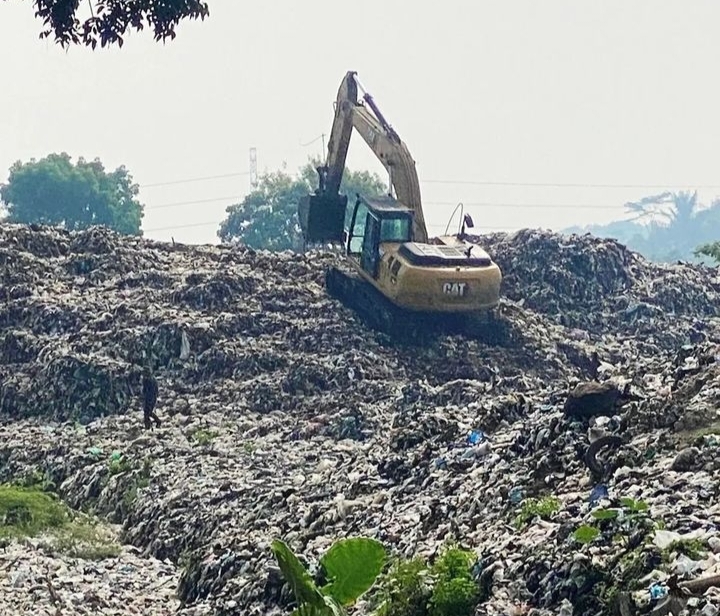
point(395, 229)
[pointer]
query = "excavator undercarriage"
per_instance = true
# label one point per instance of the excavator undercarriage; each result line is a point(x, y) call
point(410, 326)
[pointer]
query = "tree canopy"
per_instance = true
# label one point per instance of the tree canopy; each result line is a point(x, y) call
point(108, 21)
point(711, 250)
point(55, 191)
point(268, 218)
point(666, 227)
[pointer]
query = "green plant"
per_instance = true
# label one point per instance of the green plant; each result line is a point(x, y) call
point(31, 512)
point(586, 534)
point(26, 511)
point(351, 566)
point(692, 548)
point(118, 463)
point(536, 507)
point(631, 515)
point(406, 589)
point(455, 592)
point(85, 538)
point(203, 437)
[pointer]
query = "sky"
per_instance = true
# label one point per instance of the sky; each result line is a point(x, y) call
point(532, 114)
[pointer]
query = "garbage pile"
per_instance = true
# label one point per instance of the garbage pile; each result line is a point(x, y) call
point(285, 417)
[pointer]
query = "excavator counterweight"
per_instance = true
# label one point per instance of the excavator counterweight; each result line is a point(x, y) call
point(398, 279)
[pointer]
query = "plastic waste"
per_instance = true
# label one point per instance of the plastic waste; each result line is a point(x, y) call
point(475, 437)
point(657, 591)
point(515, 495)
point(599, 492)
point(566, 608)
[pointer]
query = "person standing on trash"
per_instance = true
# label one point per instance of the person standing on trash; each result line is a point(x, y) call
point(150, 393)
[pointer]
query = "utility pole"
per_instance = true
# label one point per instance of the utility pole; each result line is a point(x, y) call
point(253, 168)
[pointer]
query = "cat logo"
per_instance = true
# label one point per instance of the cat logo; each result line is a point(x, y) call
point(456, 289)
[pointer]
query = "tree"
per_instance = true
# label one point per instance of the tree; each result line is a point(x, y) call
point(268, 218)
point(666, 227)
point(109, 20)
point(55, 191)
point(710, 250)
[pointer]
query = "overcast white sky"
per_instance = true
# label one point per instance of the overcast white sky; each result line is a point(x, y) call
point(518, 91)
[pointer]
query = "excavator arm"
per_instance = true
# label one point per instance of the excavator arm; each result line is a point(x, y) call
point(322, 214)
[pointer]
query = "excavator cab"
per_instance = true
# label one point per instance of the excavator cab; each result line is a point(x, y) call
point(371, 223)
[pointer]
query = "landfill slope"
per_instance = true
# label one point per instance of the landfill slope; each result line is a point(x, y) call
point(284, 416)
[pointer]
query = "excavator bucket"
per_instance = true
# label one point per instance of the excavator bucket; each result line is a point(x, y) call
point(322, 217)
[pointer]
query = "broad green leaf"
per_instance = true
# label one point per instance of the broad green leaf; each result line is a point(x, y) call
point(333, 607)
point(352, 566)
point(586, 534)
point(633, 504)
point(329, 609)
point(309, 610)
point(297, 576)
point(605, 514)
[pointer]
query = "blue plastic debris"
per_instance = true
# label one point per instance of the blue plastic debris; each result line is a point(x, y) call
point(657, 591)
point(599, 492)
point(515, 495)
point(475, 437)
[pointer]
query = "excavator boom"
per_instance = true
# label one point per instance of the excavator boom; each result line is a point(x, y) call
point(322, 215)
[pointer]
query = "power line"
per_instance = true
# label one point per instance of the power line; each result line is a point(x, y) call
point(463, 182)
point(568, 185)
point(207, 224)
point(178, 203)
point(202, 179)
point(587, 206)
point(195, 224)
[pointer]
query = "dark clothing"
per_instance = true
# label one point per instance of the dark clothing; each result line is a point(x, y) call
point(150, 393)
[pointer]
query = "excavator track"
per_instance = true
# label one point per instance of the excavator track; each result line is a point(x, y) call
point(408, 326)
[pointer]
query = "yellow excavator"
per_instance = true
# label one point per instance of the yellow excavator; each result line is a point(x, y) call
point(404, 283)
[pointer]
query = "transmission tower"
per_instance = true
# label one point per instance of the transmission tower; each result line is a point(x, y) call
point(253, 168)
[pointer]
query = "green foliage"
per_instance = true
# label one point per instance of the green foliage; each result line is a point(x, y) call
point(203, 437)
point(711, 250)
point(268, 217)
point(405, 590)
point(352, 566)
point(630, 516)
point(586, 534)
point(118, 463)
point(666, 227)
point(455, 592)
point(303, 587)
point(692, 548)
point(109, 20)
point(84, 538)
point(537, 507)
point(447, 588)
point(26, 512)
point(54, 191)
point(31, 512)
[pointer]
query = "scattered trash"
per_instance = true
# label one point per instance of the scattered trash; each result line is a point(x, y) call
point(599, 492)
point(475, 437)
point(249, 348)
point(515, 494)
point(657, 591)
